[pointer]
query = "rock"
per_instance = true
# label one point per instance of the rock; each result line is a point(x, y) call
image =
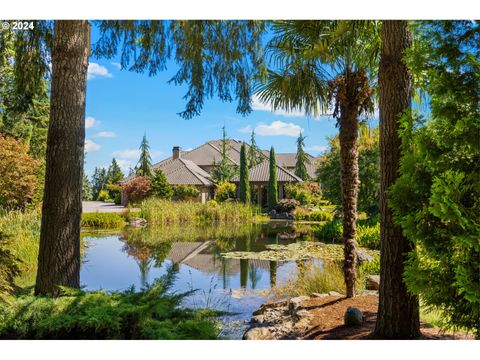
point(334, 293)
point(258, 319)
point(295, 303)
point(362, 257)
point(258, 333)
point(304, 314)
point(372, 282)
point(317, 295)
point(264, 307)
point(353, 317)
point(138, 222)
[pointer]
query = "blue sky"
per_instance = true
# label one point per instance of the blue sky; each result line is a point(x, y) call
point(122, 106)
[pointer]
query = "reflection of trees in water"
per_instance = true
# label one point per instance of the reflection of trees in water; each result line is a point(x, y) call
point(255, 276)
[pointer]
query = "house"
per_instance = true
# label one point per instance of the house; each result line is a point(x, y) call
point(194, 167)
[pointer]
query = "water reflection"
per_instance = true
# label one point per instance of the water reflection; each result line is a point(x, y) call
point(135, 257)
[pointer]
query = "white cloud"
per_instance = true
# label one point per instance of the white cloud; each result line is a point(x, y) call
point(124, 164)
point(89, 122)
point(105, 134)
point(258, 105)
point(276, 128)
point(117, 65)
point(127, 153)
point(319, 148)
point(95, 70)
point(91, 146)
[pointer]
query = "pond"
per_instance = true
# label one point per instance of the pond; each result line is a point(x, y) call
point(136, 257)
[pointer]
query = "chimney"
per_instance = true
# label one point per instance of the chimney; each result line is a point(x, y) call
point(176, 152)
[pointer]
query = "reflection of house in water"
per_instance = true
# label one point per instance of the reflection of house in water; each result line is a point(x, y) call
point(195, 255)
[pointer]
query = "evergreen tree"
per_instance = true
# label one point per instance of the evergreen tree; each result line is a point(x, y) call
point(302, 159)
point(160, 185)
point(144, 165)
point(254, 155)
point(272, 190)
point(224, 171)
point(244, 187)
point(436, 199)
point(114, 173)
point(99, 181)
point(87, 191)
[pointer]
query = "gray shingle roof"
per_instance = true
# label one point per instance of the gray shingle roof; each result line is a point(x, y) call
point(261, 173)
point(183, 172)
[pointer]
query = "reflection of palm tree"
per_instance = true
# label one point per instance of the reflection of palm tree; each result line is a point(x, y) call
point(144, 265)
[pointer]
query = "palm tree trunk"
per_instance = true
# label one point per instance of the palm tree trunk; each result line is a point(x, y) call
point(348, 136)
point(59, 255)
point(398, 314)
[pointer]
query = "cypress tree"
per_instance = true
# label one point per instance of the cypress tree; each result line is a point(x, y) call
point(244, 187)
point(302, 159)
point(144, 166)
point(272, 193)
point(114, 174)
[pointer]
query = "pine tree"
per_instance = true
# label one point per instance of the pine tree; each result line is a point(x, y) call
point(114, 173)
point(160, 185)
point(272, 190)
point(224, 170)
point(244, 187)
point(254, 156)
point(144, 165)
point(87, 191)
point(302, 159)
point(99, 181)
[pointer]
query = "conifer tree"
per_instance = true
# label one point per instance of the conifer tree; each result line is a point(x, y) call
point(254, 156)
point(160, 185)
point(224, 170)
point(114, 173)
point(302, 159)
point(244, 187)
point(272, 190)
point(144, 165)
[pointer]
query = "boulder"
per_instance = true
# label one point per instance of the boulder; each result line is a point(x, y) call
point(318, 295)
point(295, 303)
point(334, 293)
point(138, 222)
point(372, 282)
point(362, 257)
point(264, 307)
point(353, 317)
point(258, 333)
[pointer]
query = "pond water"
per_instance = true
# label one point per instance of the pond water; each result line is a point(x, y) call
point(135, 257)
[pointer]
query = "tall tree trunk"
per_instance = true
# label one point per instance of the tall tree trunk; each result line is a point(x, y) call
point(59, 256)
point(398, 314)
point(348, 136)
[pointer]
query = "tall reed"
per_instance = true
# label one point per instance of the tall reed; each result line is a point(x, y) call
point(158, 211)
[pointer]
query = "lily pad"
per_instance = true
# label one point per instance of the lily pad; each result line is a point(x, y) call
point(303, 250)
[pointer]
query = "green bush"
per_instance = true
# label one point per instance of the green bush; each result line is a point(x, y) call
point(224, 190)
point(369, 236)
point(9, 266)
point(152, 313)
point(320, 215)
point(371, 267)
point(118, 199)
point(160, 186)
point(103, 196)
point(185, 192)
point(102, 220)
point(330, 232)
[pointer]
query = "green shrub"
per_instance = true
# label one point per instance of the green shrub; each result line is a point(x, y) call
point(103, 196)
point(371, 267)
point(9, 266)
point(102, 220)
point(152, 313)
point(287, 206)
point(224, 190)
point(369, 236)
point(330, 232)
point(212, 203)
point(320, 215)
point(185, 192)
point(118, 199)
point(160, 186)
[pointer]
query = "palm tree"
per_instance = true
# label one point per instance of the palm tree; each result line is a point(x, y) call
point(324, 66)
